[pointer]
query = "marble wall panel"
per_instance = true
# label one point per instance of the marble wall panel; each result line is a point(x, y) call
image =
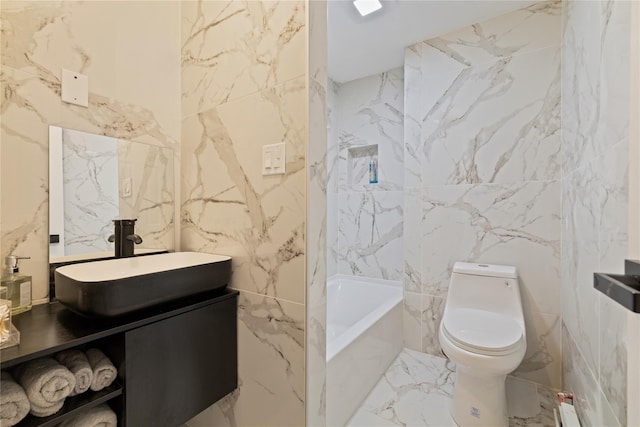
point(412, 320)
point(595, 116)
point(317, 213)
point(40, 38)
point(592, 407)
point(516, 33)
point(333, 149)
point(229, 207)
point(494, 123)
point(231, 49)
point(513, 224)
point(371, 115)
point(413, 98)
point(370, 241)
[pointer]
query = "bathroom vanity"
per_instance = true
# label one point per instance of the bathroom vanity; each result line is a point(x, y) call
point(174, 360)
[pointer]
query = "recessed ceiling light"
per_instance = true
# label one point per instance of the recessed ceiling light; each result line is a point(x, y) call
point(366, 7)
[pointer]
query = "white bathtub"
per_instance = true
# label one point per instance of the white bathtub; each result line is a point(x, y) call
point(364, 335)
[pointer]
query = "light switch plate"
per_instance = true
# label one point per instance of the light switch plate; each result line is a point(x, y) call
point(274, 159)
point(75, 88)
point(126, 187)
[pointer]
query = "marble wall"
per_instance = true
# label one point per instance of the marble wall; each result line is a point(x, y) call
point(316, 257)
point(482, 172)
point(133, 65)
point(595, 152)
point(365, 220)
point(245, 84)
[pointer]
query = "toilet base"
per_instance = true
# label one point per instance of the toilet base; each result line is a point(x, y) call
point(479, 400)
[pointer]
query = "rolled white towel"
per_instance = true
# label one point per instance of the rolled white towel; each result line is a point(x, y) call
point(47, 383)
point(14, 404)
point(100, 416)
point(41, 412)
point(103, 370)
point(76, 362)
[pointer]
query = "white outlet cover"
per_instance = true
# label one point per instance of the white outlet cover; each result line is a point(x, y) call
point(274, 159)
point(75, 88)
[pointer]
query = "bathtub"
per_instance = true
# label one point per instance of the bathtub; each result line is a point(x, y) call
point(364, 335)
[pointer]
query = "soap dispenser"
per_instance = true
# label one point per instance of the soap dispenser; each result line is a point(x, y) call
point(18, 286)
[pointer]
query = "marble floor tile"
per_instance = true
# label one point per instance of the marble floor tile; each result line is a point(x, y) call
point(417, 388)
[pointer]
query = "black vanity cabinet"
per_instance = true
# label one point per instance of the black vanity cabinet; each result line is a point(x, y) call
point(178, 367)
point(174, 360)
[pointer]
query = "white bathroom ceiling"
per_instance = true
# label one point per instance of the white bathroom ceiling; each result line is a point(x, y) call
point(364, 45)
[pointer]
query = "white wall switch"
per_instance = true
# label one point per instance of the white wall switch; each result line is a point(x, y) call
point(75, 88)
point(126, 187)
point(274, 159)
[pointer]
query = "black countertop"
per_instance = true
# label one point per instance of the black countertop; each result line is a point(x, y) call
point(49, 328)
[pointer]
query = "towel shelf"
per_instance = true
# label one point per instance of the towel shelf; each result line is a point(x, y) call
point(73, 406)
point(147, 347)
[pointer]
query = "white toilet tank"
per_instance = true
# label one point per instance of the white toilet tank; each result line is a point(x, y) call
point(485, 287)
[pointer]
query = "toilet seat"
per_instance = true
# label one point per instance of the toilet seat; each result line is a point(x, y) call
point(482, 332)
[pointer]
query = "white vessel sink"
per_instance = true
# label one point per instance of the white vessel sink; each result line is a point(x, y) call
point(115, 287)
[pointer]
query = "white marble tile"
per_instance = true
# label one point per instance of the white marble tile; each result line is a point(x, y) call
point(371, 117)
point(614, 77)
point(415, 391)
point(412, 321)
point(316, 255)
point(523, 398)
point(417, 388)
point(580, 256)
point(318, 42)
point(370, 241)
point(333, 138)
point(412, 237)
point(496, 123)
point(413, 95)
point(515, 33)
point(591, 405)
point(515, 224)
point(580, 83)
point(333, 214)
point(580, 310)
point(231, 49)
point(542, 361)
point(432, 311)
point(228, 207)
point(612, 177)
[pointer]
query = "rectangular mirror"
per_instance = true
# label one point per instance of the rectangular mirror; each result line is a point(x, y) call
point(95, 179)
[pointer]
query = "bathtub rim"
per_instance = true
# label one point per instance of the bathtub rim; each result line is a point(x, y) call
point(335, 346)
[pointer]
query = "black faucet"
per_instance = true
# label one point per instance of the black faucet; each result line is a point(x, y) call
point(124, 237)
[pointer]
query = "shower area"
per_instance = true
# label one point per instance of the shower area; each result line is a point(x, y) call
point(452, 156)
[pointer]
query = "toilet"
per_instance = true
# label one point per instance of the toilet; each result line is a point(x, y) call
point(483, 333)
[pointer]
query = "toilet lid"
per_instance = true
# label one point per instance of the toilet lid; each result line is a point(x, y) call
point(482, 331)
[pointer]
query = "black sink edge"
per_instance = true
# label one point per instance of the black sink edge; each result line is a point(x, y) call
point(624, 294)
point(109, 299)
